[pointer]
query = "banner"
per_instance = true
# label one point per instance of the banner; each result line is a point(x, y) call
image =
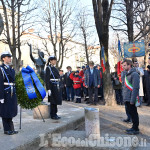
point(119, 66)
point(136, 49)
point(27, 73)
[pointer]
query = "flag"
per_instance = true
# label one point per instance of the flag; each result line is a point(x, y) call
point(103, 59)
point(119, 66)
point(134, 49)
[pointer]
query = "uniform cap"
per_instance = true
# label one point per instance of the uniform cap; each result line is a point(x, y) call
point(52, 58)
point(5, 54)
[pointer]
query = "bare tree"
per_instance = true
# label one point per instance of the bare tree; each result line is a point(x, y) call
point(58, 25)
point(133, 19)
point(16, 22)
point(102, 11)
point(86, 28)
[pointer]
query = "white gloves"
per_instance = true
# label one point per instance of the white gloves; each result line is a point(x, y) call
point(49, 92)
point(2, 101)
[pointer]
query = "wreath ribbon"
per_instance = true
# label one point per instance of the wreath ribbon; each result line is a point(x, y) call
point(27, 73)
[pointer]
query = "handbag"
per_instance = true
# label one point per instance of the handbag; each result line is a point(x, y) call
point(117, 82)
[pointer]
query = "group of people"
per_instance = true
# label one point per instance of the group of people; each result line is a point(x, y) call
point(144, 86)
point(132, 90)
point(86, 82)
point(82, 83)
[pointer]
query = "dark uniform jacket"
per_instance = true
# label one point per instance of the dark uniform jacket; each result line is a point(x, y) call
point(55, 97)
point(8, 109)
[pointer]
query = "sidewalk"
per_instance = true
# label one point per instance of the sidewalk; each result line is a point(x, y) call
point(28, 137)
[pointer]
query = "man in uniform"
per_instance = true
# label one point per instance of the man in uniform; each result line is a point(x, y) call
point(8, 99)
point(53, 87)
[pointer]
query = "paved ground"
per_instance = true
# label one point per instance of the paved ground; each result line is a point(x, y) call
point(28, 137)
point(73, 117)
point(111, 125)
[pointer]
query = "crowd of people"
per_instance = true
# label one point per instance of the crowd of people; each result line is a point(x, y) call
point(144, 83)
point(85, 82)
point(132, 90)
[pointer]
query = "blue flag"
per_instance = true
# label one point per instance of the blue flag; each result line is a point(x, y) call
point(136, 49)
point(119, 48)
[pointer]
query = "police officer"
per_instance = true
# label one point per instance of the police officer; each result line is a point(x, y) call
point(8, 99)
point(53, 87)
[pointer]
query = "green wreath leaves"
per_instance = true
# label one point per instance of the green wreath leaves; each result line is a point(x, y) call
point(22, 96)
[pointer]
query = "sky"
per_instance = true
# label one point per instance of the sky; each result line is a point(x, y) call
point(88, 6)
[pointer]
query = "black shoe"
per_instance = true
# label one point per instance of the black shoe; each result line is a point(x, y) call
point(76, 102)
point(91, 103)
point(148, 105)
point(9, 132)
point(68, 100)
point(131, 129)
point(56, 118)
point(133, 132)
point(87, 102)
point(95, 103)
point(15, 132)
point(121, 103)
point(127, 121)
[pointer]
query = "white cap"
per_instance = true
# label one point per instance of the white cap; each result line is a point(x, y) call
point(5, 54)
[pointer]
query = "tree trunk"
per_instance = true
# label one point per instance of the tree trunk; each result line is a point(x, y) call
point(102, 13)
point(86, 49)
point(129, 11)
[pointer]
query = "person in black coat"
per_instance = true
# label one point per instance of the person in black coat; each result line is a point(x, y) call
point(62, 85)
point(8, 99)
point(147, 84)
point(53, 86)
point(69, 85)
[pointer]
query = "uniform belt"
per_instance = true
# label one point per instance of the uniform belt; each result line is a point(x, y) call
point(76, 83)
point(54, 79)
point(5, 83)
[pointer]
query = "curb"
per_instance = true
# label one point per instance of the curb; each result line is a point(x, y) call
point(35, 143)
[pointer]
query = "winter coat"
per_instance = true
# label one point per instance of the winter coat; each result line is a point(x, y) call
point(141, 73)
point(51, 73)
point(8, 109)
point(77, 80)
point(68, 82)
point(97, 80)
point(147, 84)
point(134, 79)
point(115, 75)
